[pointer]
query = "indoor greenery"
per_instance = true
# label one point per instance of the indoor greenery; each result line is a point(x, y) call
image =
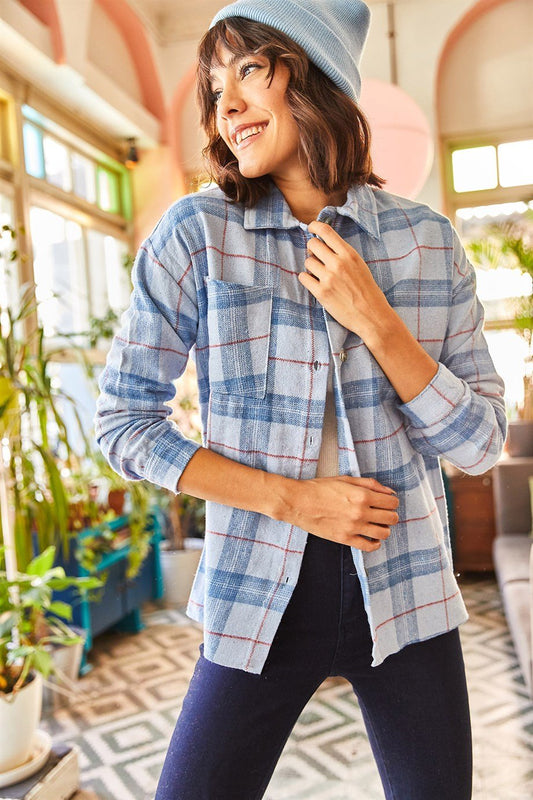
point(31, 622)
point(51, 485)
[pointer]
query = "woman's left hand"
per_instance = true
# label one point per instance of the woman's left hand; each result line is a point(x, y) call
point(342, 282)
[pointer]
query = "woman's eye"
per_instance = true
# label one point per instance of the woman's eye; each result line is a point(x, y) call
point(249, 67)
point(216, 94)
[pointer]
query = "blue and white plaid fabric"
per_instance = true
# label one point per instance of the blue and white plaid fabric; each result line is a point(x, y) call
point(222, 279)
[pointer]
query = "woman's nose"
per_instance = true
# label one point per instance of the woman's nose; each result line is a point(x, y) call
point(230, 101)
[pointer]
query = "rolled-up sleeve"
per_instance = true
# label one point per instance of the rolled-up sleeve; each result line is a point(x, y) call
point(149, 352)
point(460, 414)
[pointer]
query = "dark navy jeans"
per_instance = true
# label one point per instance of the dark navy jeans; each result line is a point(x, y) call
point(233, 724)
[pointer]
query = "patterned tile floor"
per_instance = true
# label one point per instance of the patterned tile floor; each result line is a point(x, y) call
point(124, 712)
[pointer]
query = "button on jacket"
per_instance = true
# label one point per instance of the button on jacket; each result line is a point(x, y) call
point(221, 280)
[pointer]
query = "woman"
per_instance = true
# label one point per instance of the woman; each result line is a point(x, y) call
point(339, 354)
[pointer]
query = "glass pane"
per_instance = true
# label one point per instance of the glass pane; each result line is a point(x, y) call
point(509, 351)
point(110, 286)
point(33, 151)
point(515, 161)
point(74, 381)
point(56, 161)
point(474, 168)
point(108, 190)
point(59, 268)
point(497, 290)
point(84, 177)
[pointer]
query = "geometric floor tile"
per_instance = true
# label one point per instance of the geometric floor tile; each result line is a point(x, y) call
point(122, 714)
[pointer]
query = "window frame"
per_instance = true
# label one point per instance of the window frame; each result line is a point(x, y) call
point(26, 190)
point(482, 197)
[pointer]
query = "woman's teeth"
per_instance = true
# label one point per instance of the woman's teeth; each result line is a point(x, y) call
point(247, 132)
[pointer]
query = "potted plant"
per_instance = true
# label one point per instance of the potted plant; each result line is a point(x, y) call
point(52, 485)
point(510, 244)
point(31, 624)
point(32, 422)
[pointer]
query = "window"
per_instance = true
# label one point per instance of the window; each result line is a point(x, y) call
point(503, 165)
point(504, 288)
point(53, 155)
point(77, 200)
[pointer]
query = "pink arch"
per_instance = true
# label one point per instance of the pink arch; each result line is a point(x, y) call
point(481, 8)
point(138, 45)
point(46, 12)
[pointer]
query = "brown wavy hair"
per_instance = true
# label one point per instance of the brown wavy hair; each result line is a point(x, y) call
point(334, 133)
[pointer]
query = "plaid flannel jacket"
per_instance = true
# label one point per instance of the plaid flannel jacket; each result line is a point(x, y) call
point(222, 279)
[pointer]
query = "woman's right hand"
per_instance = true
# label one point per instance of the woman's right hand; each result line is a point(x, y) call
point(354, 511)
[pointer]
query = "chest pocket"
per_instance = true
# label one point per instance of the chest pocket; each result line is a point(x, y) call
point(238, 322)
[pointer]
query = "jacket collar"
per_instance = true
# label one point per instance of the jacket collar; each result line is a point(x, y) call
point(272, 211)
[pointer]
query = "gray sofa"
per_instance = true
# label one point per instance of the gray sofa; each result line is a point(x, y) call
point(513, 554)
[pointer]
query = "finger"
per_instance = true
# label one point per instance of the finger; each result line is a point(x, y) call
point(379, 516)
point(374, 533)
point(319, 249)
point(383, 501)
point(371, 483)
point(365, 543)
point(315, 267)
point(328, 235)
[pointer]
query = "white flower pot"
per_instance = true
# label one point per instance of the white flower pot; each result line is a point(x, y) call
point(19, 717)
point(178, 568)
point(67, 661)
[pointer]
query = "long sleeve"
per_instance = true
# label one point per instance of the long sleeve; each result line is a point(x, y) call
point(460, 415)
point(148, 353)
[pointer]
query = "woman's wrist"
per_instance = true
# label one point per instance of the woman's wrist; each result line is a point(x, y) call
point(278, 496)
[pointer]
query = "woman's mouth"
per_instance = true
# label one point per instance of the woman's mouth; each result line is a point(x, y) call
point(244, 134)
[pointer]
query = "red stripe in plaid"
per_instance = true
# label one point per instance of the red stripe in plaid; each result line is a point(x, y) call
point(282, 456)
point(255, 541)
point(416, 249)
point(235, 341)
point(413, 610)
point(244, 257)
point(151, 347)
point(240, 638)
point(483, 457)
point(380, 438)
point(418, 519)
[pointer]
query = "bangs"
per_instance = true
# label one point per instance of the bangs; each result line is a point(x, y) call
point(240, 40)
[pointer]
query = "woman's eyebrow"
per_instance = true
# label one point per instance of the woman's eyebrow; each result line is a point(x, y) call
point(221, 65)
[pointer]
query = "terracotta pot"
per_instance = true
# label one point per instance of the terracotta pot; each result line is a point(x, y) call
point(115, 500)
point(19, 717)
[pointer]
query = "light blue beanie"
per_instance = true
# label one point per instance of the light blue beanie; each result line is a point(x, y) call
point(332, 32)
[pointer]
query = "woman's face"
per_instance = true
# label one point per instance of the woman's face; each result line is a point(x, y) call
point(253, 116)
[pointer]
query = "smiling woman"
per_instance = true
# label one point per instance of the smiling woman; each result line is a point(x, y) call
point(253, 116)
point(313, 114)
point(339, 351)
